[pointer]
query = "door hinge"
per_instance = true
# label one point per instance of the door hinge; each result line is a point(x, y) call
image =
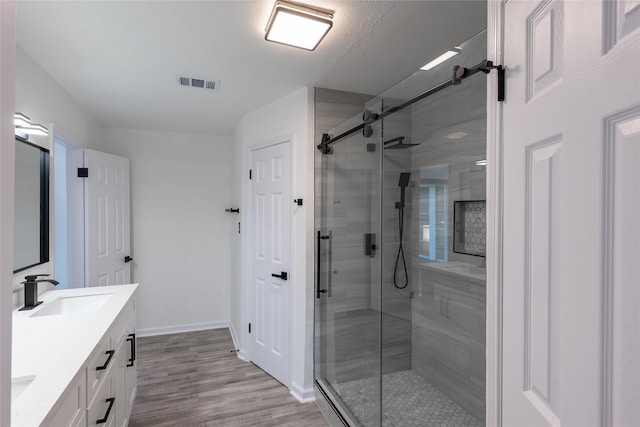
point(250, 174)
point(249, 327)
point(83, 172)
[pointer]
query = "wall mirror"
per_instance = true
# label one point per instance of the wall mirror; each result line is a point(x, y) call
point(31, 220)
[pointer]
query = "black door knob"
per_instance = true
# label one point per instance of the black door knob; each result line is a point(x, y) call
point(128, 259)
point(282, 275)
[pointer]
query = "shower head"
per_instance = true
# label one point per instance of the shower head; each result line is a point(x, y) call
point(397, 144)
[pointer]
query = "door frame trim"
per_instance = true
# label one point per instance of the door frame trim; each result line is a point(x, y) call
point(495, 202)
point(57, 133)
point(249, 267)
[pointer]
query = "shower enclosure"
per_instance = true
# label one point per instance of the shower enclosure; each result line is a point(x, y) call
point(400, 269)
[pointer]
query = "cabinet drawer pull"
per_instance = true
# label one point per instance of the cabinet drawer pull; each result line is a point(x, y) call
point(132, 341)
point(103, 367)
point(110, 401)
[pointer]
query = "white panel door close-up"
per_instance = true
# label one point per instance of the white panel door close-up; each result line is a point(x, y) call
point(571, 123)
point(107, 223)
point(269, 258)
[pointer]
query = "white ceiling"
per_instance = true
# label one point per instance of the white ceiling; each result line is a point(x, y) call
point(120, 60)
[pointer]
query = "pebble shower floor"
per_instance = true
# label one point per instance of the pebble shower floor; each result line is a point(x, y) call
point(408, 400)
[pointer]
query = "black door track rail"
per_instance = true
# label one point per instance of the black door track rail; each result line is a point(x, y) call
point(458, 74)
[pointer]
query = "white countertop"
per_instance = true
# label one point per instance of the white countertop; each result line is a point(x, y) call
point(54, 348)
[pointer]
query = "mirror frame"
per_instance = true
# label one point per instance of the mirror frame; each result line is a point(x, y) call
point(45, 169)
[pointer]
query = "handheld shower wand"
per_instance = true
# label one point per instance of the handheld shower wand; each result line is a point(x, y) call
point(403, 184)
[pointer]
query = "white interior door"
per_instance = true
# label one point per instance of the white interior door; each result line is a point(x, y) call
point(571, 333)
point(271, 205)
point(107, 225)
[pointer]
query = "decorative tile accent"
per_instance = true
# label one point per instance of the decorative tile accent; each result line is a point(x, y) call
point(407, 400)
point(470, 220)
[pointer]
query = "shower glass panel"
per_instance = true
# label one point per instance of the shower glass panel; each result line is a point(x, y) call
point(400, 307)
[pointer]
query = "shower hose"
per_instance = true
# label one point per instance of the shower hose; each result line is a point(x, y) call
point(400, 256)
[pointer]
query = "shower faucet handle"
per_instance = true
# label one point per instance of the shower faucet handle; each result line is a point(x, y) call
point(369, 244)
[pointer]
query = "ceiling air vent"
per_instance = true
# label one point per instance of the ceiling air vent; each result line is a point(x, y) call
point(199, 83)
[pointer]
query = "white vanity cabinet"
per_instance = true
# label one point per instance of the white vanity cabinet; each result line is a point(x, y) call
point(128, 365)
point(109, 399)
point(125, 375)
point(88, 376)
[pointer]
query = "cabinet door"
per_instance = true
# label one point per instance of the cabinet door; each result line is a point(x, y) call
point(125, 375)
point(102, 410)
point(130, 373)
point(99, 364)
point(120, 367)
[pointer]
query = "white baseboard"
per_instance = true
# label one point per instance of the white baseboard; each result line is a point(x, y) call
point(301, 394)
point(183, 328)
point(242, 355)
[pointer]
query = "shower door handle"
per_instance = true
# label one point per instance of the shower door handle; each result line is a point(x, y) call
point(318, 261)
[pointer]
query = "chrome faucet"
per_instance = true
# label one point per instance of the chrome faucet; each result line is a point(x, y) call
point(31, 290)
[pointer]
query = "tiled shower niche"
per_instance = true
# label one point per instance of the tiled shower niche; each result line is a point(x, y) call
point(469, 222)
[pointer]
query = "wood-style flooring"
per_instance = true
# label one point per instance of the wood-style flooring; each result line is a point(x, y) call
point(196, 379)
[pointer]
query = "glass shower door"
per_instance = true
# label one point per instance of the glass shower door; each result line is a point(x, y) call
point(348, 276)
point(400, 308)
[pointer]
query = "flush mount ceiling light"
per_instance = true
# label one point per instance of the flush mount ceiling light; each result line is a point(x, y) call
point(298, 25)
point(440, 59)
point(23, 126)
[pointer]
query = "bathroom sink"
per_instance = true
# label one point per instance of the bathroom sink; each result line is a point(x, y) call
point(19, 385)
point(76, 304)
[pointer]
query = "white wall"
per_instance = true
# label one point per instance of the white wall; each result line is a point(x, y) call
point(180, 187)
point(45, 102)
point(288, 118)
point(179, 190)
point(41, 98)
point(7, 155)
